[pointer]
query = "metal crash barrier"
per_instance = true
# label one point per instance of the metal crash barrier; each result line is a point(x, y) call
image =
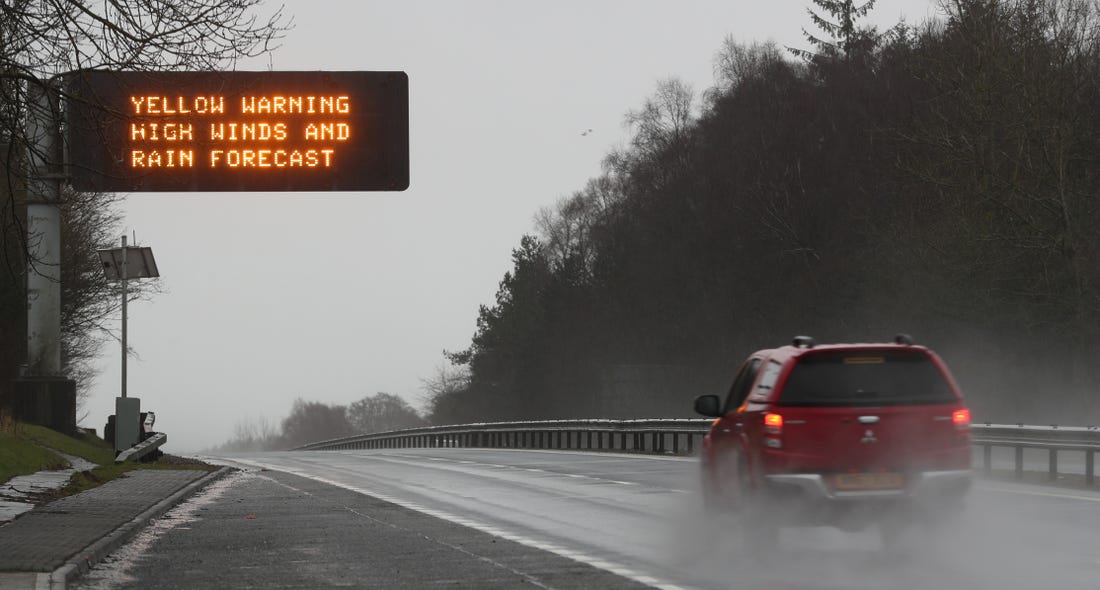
point(684, 436)
point(663, 436)
point(1051, 439)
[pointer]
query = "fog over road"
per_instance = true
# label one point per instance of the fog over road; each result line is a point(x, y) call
point(641, 516)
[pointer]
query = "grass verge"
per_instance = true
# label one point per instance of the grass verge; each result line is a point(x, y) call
point(26, 449)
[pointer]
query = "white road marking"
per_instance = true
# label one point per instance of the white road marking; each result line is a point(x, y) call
point(590, 560)
point(1039, 493)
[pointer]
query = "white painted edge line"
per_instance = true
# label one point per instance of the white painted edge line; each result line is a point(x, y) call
point(1039, 493)
point(595, 562)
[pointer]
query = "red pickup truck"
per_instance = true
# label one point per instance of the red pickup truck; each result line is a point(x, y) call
point(841, 434)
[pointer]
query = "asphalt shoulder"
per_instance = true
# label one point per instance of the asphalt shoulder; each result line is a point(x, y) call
point(57, 541)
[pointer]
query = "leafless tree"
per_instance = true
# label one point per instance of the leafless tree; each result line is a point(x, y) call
point(382, 412)
point(41, 39)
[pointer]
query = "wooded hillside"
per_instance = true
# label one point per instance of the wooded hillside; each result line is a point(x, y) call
point(940, 180)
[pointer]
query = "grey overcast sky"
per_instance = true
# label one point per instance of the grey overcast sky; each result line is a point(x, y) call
point(335, 296)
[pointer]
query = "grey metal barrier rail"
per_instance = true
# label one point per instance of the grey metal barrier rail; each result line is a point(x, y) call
point(1052, 439)
point(675, 436)
point(683, 436)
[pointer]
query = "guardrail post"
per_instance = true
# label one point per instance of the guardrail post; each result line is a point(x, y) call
point(1089, 473)
point(1019, 462)
point(1053, 475)
point(987, 459)
point(675, 443)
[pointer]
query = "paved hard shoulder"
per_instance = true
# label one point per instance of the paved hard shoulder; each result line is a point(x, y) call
point(47, 537)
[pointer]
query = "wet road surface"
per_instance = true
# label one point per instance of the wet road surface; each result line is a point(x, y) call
point(636, 519)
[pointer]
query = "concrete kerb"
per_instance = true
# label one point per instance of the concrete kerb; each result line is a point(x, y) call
point(83, 561)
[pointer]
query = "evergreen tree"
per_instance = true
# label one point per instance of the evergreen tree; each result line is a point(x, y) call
point(844, 35)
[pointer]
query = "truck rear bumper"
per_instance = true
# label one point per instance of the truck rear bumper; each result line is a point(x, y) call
point(807, 498)
point(919, 485)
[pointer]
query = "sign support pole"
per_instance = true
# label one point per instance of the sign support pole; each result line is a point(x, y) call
point(43, 235)
point(43, 395)
point(125, 351)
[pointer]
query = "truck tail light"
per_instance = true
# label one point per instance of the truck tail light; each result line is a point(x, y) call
point(961, 419)
point(773, 423)
point(773, 428)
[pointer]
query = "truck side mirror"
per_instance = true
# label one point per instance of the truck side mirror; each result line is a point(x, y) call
point(708, 405)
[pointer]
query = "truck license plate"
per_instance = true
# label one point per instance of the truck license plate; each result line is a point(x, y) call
point(868, 481)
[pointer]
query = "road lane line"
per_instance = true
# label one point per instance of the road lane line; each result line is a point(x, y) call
point(1038, 493)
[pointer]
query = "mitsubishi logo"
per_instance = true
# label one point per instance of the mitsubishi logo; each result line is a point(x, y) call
point(868, 437)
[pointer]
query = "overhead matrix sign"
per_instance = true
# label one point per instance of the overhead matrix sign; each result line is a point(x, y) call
point(238, 131)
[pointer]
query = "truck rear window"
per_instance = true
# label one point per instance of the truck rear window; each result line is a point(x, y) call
point(865, 378)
